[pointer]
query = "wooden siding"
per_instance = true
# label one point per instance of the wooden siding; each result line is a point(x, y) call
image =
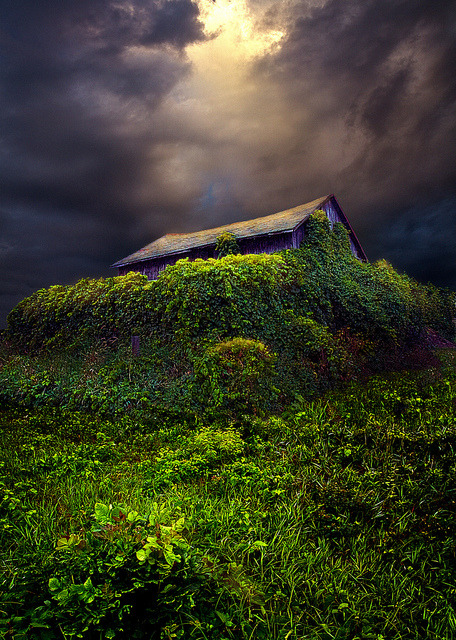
point(261, 244)
point(266, 244)
point(298, 235)
point(332, 213)
point(151, 268)
point(333, 217)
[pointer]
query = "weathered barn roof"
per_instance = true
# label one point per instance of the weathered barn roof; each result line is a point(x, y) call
point(174, 243)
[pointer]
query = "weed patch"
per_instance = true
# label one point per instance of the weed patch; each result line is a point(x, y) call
point(336, 519)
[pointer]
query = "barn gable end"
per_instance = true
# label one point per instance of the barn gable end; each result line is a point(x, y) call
point(269, 234)
point(335, 214)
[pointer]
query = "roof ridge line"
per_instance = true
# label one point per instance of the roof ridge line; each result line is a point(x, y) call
point(280, 223)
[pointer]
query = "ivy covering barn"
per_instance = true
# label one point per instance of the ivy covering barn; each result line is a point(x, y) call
point(268, 234)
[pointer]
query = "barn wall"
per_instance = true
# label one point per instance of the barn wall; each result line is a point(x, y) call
point(332, 213)
point(203, 253)
point(334, 217)
point(262, 244)
point(298, 235)
point(266, 244)
point(151, 268)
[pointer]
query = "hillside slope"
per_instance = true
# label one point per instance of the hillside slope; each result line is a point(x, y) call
point(215, 335)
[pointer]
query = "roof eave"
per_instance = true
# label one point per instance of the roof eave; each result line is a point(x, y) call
point(307, 215)
point(123, 263)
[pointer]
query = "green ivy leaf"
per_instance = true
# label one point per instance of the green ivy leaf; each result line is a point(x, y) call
point(142, 555)
point(54, 584)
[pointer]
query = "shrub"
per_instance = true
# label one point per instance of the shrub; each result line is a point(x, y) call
point(209, 300)
point(194, 459)
point(226, 244)
point(129, 575)
point(76, 315)
point(218, 444)
point(236, 377)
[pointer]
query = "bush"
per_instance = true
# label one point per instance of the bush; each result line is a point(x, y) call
point(220, 445)
point(196, 458)
point(77, 315)
point(209, 300)
point(226, 244)
point(236, 377)
point(129, 575)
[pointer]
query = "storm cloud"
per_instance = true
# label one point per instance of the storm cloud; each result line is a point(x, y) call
point(121, 121)
point(79, 91)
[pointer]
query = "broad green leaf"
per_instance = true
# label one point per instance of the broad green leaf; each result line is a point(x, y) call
point(63, 595)
point(165, 530)
point(133, 516)
point(152, 542)
point(170, 557)
point(142, 555)
point(258, 544)
point(88, 583)
point(101, 513)
point(54, 584)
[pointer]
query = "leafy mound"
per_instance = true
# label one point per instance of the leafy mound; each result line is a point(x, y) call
point(326, 315)
point(155, 495)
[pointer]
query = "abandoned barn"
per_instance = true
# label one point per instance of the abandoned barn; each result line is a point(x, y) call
point(283, 230)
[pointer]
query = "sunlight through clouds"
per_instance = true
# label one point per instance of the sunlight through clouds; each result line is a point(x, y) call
point(228, 114)
point(232, 24)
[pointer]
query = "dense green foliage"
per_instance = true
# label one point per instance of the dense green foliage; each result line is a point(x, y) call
point(322, 315)
point(235, 377)
point(335, 520)
point(235, 480)
point(226, 244)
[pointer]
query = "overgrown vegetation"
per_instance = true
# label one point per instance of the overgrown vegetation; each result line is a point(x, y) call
point(266, 468)
point(324, 316)
point(335, 520)
point(226, 244)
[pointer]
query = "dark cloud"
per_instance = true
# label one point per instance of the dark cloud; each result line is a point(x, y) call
point(75, 95)
point(78, 101)
point(372, 90)
point(112, 133)
point(380, 73)
point(421, 241)
point(79, 86)
point(44, 249)
point(351, 40)
point(103, 25)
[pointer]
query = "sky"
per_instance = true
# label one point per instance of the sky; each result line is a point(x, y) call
point(121, 121)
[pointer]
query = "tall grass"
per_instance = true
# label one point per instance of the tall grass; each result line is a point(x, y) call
point(335, 520)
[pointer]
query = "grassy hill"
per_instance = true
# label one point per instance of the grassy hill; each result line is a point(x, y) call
point(222, 337)
point(278, 462)
point(335, 520)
